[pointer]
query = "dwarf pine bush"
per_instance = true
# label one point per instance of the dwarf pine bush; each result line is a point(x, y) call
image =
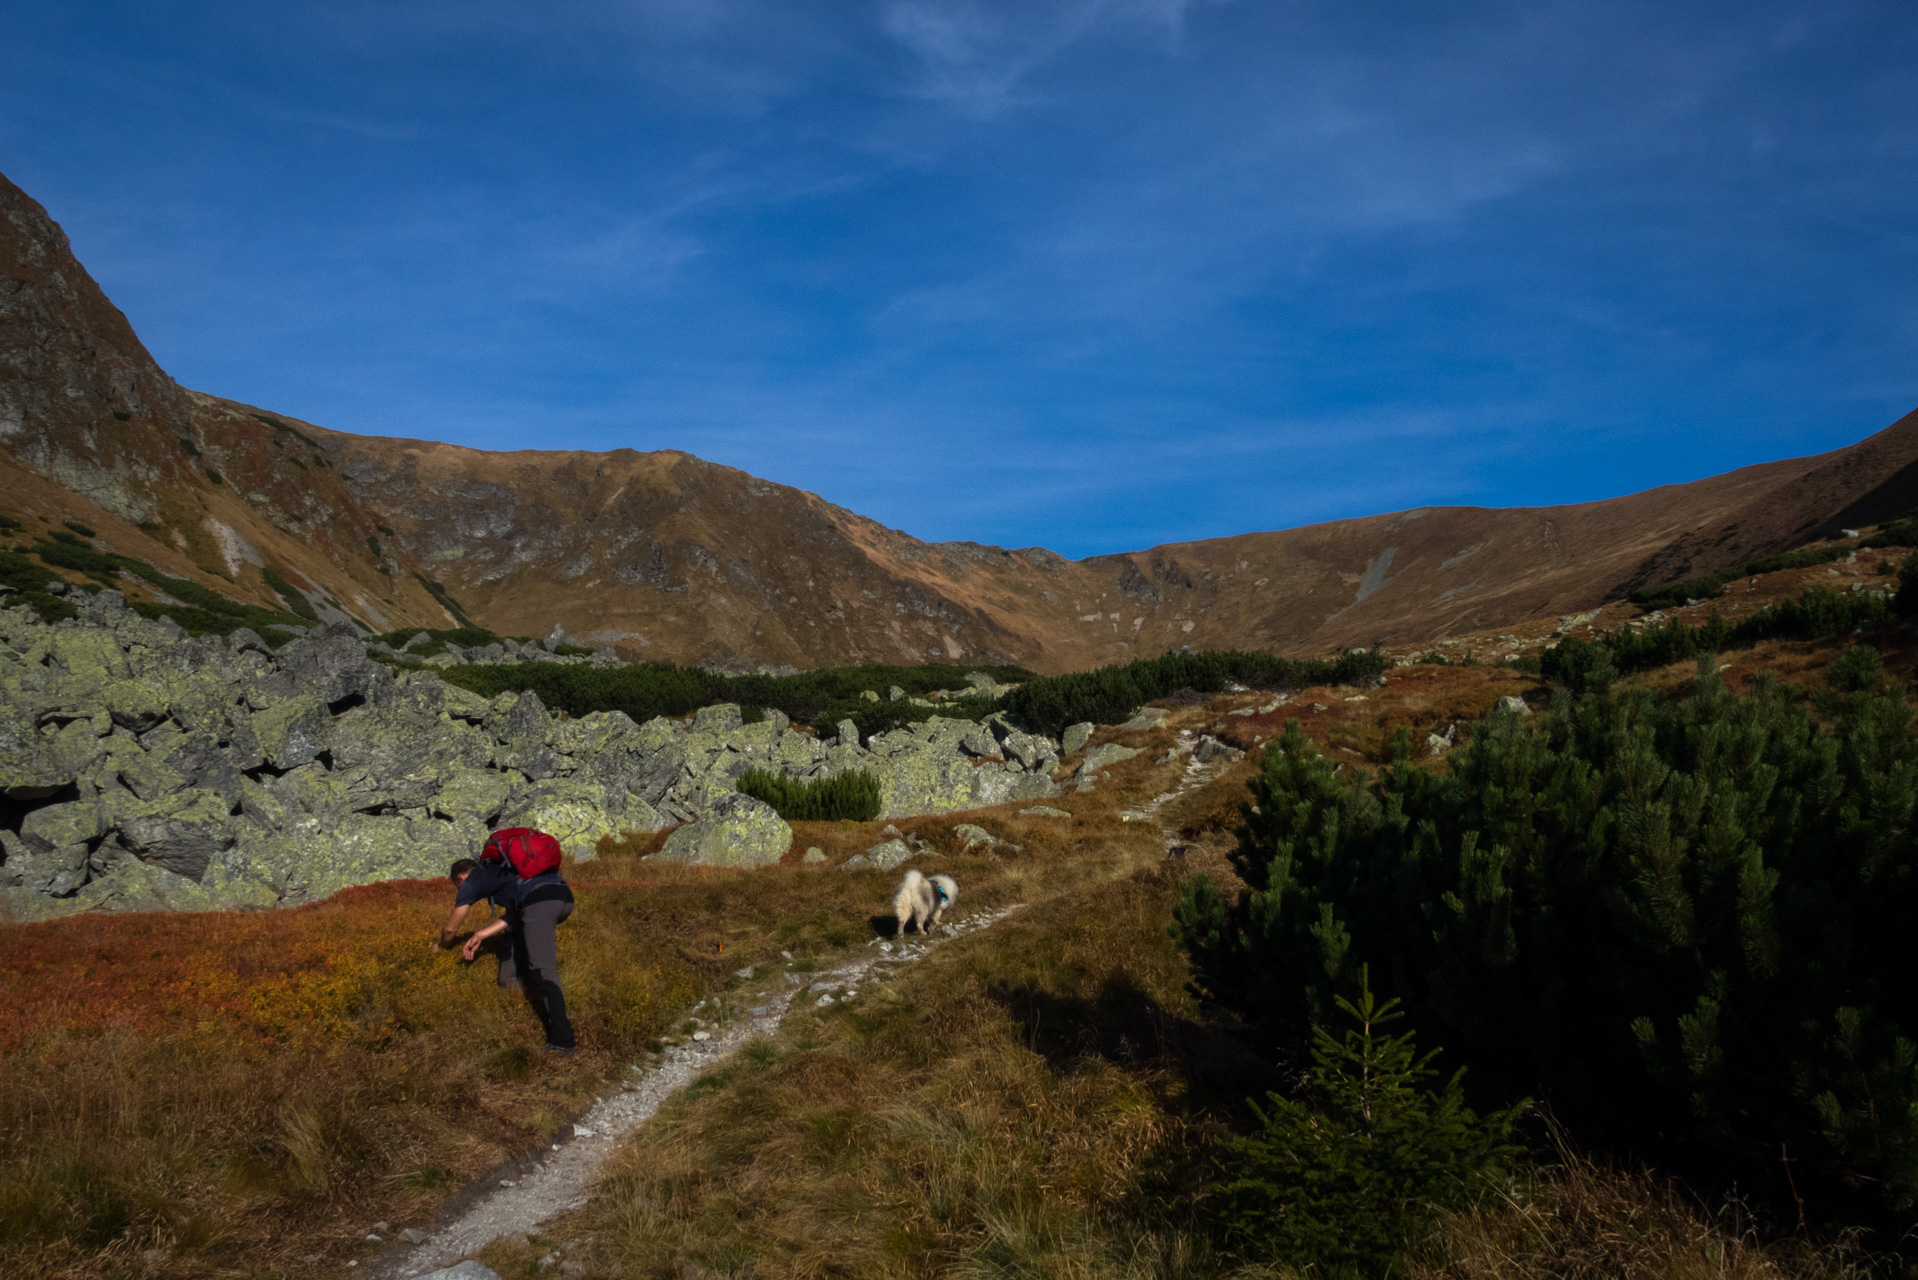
point(1818, 613)
point(1683, 921)
point(852, 796)
point(1112, 694)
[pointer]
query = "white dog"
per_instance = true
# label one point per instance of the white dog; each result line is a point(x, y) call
point(923, 901)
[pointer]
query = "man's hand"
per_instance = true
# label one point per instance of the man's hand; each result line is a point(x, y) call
point(471, 949)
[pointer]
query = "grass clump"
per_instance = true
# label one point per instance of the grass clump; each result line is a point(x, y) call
point(852, 796)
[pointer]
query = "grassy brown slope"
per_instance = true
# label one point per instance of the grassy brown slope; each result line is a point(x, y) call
point(1037, 1100)
point(672, 557)
point(91, 429)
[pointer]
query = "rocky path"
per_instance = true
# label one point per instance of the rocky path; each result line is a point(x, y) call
point(1197, 774)
point(560, 1182)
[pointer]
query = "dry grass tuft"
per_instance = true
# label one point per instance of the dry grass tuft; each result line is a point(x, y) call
point(1580, 1220)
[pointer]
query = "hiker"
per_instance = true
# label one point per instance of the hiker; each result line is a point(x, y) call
point(519, 871)
point(490, 884)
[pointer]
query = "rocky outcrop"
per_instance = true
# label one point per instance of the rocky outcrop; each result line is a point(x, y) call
point(143, 769)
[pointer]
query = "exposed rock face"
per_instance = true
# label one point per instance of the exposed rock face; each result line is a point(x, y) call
point(140, 769)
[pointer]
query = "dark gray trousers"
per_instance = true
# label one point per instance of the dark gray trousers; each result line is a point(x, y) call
point(533, 962)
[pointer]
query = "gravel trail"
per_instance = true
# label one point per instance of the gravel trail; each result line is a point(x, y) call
point(562, 1178)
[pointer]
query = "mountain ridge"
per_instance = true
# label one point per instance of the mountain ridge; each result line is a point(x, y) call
point(667, 556)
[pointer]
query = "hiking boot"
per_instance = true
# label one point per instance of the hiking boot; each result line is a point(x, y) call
point(562, 1050)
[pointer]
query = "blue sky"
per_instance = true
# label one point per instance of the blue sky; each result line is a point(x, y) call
point(1093, 274)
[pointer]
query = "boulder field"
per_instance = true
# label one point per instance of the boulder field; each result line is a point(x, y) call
point(143, 769)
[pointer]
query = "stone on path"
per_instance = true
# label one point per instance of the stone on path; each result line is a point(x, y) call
point(468, 1270)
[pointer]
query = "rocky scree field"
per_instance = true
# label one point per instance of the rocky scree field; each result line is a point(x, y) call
point(143, 768)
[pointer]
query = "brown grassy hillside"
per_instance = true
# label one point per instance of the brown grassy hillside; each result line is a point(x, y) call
point(668, 556)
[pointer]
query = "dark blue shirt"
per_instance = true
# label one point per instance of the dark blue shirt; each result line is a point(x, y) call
point(499, 884)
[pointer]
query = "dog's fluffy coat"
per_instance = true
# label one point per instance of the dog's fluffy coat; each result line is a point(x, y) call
point(922, 901)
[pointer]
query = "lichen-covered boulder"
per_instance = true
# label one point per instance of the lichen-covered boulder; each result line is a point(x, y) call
point(180, 832)
point(363, 849)
point(1076, 736)
point(721, 718)
point(979, 742)
point(292, 732)
point(40, 871)
point(737, 831)
point(998, 786)
point(925, 781)
point(1104, 757)
point(1029, 749)
point(330, 664)
point(480, 794)
point(882, 857)
point(579, 814)
point(135, 705)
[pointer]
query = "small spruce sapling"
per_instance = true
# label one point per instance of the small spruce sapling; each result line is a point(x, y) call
point(1342, 1179)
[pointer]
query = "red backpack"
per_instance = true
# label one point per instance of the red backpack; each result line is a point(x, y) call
point(529, 852)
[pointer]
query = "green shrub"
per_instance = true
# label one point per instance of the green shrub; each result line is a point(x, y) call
point(820, 698)
point(192, 450)
point(1114, 694)
point(80, 529)
point(572, 651)
point(1339, 1178)
point(1818, 613)
point(9, 525)
point(841, 797)
point(440, 594)
point(28, 583)
point(63, 550)
point(1713, 585)
point(1855, 671)
point(1682, 919)
point(1905, 602)
point(294, 599)
point(215, 476)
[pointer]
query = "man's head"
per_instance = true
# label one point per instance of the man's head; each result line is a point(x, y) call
point(460, 870)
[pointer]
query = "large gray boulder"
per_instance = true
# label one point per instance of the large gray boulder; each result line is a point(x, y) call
point(738, 831)
point(579, 814)
point(330, 663)
point(1104, 757)
point(180, 832)
point(882, 857)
